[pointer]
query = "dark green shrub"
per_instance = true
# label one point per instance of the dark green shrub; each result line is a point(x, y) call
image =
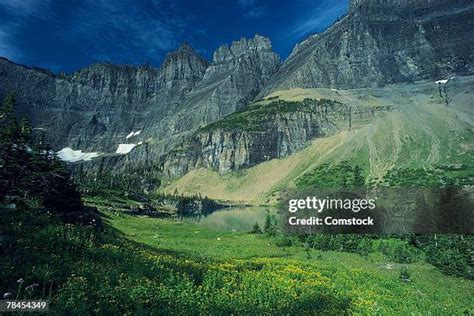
point(286, 241)
point(405, 275)
point(256, 229)
point(452, 254)
point(270, 226)
point(398, 250)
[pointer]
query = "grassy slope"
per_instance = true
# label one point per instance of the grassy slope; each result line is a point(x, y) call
point(373, 288)
point(420, 132)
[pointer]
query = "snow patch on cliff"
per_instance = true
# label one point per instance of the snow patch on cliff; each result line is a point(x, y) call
point(445, 81)
point(69, 155)
point(132, 133)
point(125, 148)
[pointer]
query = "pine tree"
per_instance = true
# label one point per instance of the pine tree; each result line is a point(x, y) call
point(14, 156)
point(8, 123)
point(29, 169)
point(359, 181)
point(269, 227)
point(256, 229)
point(268, 223)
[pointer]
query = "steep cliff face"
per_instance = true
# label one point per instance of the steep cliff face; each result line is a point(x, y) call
point(178, 74)
point(247, 65)
point(233, 79)
point(260, 133)
point(95, 108)
point(382, 42)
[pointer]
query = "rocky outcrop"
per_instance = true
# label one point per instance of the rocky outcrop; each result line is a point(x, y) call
point(261, 133)
point(95, 108)
point(381, 42)
point(234, 78)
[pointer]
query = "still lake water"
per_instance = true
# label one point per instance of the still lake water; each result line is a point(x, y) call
point(233, 219)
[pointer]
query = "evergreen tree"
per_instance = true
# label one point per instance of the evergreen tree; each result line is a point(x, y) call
point(359, 180)
point(269, 227)
point(30, 170)
point(14, 156)
point(256, 229)
point(268, 223)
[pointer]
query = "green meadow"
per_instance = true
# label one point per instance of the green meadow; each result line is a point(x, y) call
point(151, 266)
point(372, 283)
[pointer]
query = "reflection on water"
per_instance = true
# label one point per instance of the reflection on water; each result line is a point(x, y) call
point(232, 219)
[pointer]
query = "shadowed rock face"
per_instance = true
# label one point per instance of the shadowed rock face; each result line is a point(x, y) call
point(256, 135)
point(383, 42)
point(233, 79)
point(95, 108)
point(247, 65)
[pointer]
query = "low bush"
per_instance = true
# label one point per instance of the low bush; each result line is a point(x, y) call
point(452, 254)
point(398, 250)
point(342, 242)
point(286, 241)
point(405, 275)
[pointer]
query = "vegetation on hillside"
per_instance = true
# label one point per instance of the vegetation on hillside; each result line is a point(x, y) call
point(440, 176)
point(371, 281)
point(83, 270)
point(450, 253)
point(154, 204)
point(134, 177)
point(342, 175)
point(252, 117)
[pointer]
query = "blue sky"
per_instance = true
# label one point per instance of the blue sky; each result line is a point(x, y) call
point(66, 35)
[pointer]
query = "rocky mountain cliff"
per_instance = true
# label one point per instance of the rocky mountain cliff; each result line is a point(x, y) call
point(260, 133)
point(95, 108)
point(234, 78)
point(381, 42)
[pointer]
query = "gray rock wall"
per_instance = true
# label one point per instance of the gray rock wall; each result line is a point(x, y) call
point(382, 42)
point(278, 135)
point(95, 108)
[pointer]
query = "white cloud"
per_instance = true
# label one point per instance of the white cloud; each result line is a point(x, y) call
point(130, 31)
point(7, 48)
point(19, 11)
point(125, 31)
point(318, 18)
point(251, 8)
point(27, 8)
